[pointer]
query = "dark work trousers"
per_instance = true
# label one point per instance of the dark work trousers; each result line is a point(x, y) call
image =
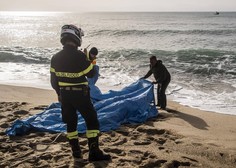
point(162, 93)
point(73, 100)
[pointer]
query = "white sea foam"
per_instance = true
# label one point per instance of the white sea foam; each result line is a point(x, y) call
point(199, 53)
point(33, 75)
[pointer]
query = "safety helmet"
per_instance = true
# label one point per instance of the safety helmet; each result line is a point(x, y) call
point(71, 32)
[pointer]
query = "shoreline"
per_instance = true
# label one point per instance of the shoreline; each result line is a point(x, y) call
point(180, 135)
point(52, 95)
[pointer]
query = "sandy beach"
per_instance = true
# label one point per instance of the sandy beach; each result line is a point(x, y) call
point(179, 137)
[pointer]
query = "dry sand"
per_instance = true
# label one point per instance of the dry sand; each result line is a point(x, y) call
point(178, 137)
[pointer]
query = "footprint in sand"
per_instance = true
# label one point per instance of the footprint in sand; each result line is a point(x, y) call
point(151, 131)
point(21, 112)
point(123, 132)
point(142, 142)
point(4, 125)
point(41, 107)
point(2, 116)
point(176, 163)
point(120, 142)
point(116, 151)
point(193, 160)
point(161, 141)
point(154, 163)
point(143, 159)
point(135, 135)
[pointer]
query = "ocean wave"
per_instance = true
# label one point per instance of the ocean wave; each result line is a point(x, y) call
point(118, 33)
point(25, 55)
point(200, 62)
point(206, 63)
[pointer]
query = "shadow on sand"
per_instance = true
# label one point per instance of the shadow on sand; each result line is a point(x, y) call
point(193, 120)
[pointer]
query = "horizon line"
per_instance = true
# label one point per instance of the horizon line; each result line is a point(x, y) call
point(42, 11)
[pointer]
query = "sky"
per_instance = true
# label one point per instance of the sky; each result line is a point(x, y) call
point(117, 5)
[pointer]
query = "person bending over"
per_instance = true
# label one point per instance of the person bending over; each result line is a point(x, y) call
point(162, 77)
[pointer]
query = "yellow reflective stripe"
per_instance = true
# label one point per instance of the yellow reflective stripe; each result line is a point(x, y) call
point(72, 135)
point(69, 75)
point(52, 69)
point(71, 84)
point(74, 75)
point(88, 69)
point(92, 133)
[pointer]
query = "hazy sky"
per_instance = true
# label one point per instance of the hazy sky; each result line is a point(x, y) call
point(117, 5)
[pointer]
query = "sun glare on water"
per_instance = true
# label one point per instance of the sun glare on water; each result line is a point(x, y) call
point(27, 13)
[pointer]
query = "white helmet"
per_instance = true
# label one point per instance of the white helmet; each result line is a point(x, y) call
point(73, 33)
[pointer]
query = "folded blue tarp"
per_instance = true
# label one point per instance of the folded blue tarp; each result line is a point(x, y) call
point(133, 104)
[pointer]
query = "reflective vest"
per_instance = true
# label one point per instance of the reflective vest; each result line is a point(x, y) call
point(69, 67)
point(94, 61)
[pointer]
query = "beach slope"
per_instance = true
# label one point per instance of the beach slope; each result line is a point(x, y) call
point(179, 137)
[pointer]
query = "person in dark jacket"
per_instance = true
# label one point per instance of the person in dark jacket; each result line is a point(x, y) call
point(69, 69)
point(92, 56)
point(162, 77)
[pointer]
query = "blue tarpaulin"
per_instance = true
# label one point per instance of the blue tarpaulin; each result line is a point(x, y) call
point(133, 104)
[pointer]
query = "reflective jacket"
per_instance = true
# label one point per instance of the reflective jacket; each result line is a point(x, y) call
point(69, 67)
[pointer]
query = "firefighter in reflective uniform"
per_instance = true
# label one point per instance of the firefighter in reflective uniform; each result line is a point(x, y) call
point(69, 69)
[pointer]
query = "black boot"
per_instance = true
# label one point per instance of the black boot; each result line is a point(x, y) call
point(76, 151)
point(95, 154)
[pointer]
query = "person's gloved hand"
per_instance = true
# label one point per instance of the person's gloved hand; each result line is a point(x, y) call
point(154, 82)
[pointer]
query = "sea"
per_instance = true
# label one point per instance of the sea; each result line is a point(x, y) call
point(198, 49)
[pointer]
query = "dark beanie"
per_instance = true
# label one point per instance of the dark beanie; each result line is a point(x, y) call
point(93, 51)
point(153, 58)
